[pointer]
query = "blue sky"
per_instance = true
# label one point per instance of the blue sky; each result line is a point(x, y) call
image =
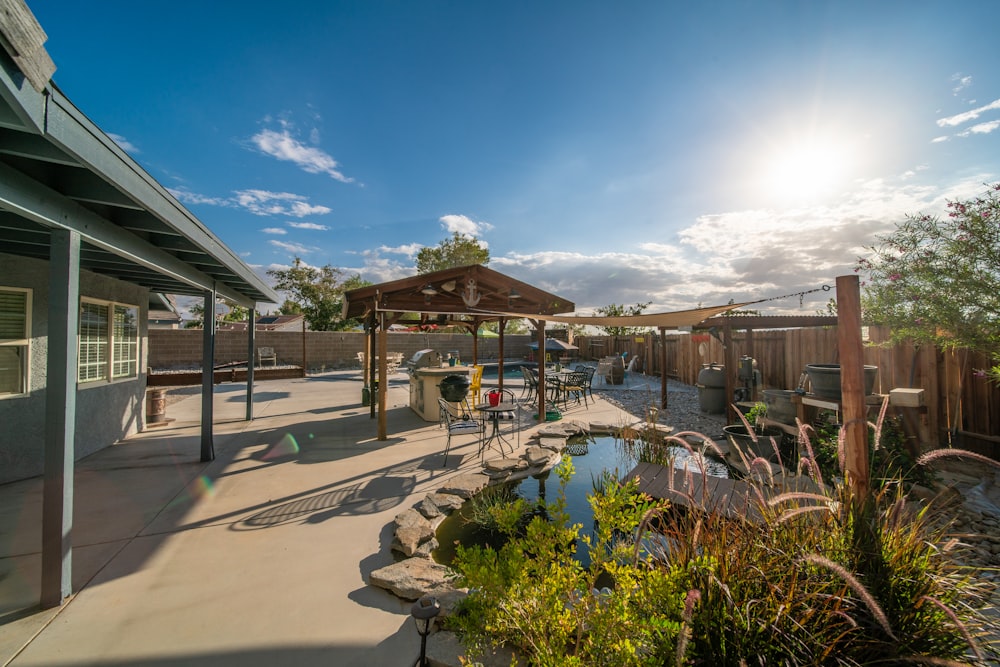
point(610, 152)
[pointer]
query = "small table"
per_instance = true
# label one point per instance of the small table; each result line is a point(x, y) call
point(493, 412)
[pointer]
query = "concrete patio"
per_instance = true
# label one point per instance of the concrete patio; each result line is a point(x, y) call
point(260, 557)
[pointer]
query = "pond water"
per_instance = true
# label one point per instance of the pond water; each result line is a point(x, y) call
point(591, 457)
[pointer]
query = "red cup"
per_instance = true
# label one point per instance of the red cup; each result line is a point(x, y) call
point(494, 398)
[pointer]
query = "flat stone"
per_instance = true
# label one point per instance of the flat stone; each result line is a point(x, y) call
point(426, 549)
point(465, 485)
point(436, 504)
point(500, 465)
point(536, 456)
point(603, 428)
point(556, 444)
point(411, 578)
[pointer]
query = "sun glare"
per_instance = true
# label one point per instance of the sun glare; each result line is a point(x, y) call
point(806, 170)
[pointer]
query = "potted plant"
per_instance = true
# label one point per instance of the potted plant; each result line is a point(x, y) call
point(753, 436)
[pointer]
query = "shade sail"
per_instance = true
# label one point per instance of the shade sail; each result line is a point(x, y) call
point(673, 320)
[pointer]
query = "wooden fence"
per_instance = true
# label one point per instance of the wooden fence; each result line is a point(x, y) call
point(962, 408)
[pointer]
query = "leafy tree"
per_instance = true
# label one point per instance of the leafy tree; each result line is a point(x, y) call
point(318, 293)
point(615, 310)
point(459, 250)
point(197, 311)
point(937, 280)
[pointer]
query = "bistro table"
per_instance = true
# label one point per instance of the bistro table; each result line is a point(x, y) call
point(495, 414)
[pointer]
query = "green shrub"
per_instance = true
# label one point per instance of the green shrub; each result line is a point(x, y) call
point(815, 579)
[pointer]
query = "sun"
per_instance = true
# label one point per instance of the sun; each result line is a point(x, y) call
point(805, 170)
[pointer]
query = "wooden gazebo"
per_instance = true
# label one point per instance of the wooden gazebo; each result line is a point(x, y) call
point(464, 296)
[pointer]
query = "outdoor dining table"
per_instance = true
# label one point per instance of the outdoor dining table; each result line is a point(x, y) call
point(493, 414)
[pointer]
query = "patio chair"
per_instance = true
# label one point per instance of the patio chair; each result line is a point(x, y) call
point(589, 372)
point(530, 382)
point(574, 385)
point(457, 419)
point(476, 382)
point(267, 354)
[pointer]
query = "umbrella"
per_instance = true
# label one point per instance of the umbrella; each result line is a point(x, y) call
point(554, 345)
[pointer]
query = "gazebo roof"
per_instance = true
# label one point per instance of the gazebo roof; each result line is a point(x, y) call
point(464, 292)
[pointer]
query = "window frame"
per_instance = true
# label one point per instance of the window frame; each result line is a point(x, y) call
point(109, 360)
point(24, 343)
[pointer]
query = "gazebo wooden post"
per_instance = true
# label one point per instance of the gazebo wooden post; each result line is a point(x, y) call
point(749, 353)
point(383, 376)
point(475, 342)
point(501, 324)
point(851, 349)
point(370, 364)
point(540, 328)
point(663, 368)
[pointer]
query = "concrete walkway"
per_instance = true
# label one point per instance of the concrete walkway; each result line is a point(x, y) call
point(258, 558)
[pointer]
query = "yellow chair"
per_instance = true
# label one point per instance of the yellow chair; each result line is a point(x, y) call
point(476, 383)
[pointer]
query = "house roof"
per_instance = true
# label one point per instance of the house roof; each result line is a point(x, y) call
point(475, 292)
point(58, 170)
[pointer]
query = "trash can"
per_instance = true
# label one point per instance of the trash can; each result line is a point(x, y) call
point(156, 406)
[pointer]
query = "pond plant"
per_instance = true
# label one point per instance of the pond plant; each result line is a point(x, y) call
point(814, 579)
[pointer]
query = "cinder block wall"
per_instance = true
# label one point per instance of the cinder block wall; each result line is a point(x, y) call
point(325, 350)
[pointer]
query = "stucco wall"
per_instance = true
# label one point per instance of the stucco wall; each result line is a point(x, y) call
point(105, 412)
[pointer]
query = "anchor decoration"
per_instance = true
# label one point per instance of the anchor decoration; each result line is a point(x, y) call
point(470, 295)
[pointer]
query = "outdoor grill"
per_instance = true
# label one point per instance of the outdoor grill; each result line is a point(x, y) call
point(424, 359)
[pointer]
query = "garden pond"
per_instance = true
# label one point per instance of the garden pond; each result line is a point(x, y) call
point(593, 458)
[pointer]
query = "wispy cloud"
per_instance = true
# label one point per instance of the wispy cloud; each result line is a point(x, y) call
point(124, 143)
point(294, 248)
point(263, 202)
point(409, 250)
point(274, 230)
point(464, 225)
point(981, 128)
point(965, 117)
point(962, 81)
point(185, 196)
point(309, 225)
point(283, 146)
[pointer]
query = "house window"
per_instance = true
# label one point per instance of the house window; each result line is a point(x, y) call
point(109, 341)
point(15, 328)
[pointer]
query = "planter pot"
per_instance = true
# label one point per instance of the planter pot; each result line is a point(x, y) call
point(779, 405)
point(825, 380)
point(763, 447)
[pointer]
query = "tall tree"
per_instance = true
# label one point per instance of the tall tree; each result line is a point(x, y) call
point(459, 250)
point(317, 292)
point(937, 281)
point(235, 313)
point(616, 310)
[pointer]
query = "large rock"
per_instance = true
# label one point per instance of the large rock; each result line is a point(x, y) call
point(412, 530)
point(465, 485)
point(536, 456)
point(435, 504)
point(412, 578)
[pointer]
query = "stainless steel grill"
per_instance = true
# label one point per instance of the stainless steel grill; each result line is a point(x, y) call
point(424, 359)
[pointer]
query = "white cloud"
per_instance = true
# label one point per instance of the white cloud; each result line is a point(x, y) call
point(938, 140)
point(410, 249)
point(274, 230)
point(283, 146)
point(124, 143)
point(961, 83)
point(185, 196)
point(965, 117)
point(294, 248)
point(981, 128)
point(309, 225)
point(263, 202)
point(464, 225)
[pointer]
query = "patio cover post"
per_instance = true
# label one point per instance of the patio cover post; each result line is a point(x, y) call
point(60, 418)
point(501, 325)
point(370, 366)
point(383, 376)
point(207, 376)
point(540, 328)
point(251, 355)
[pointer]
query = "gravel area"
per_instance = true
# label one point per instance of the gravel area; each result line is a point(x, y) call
point(683, 411)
